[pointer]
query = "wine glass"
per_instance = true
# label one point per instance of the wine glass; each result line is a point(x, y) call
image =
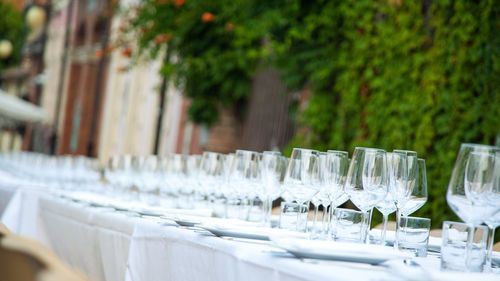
point(244, 180)
point(147, 182)
point(337, 166)
point(367, 179)
point(478, 184)
point(302, 177)
point(403, 174)
point(323, 193)
point(418, 196)
point(273, 167)
point(210, 176)
point(470, 185)
point(478, 181)
point(459, 202)
point(493, 221)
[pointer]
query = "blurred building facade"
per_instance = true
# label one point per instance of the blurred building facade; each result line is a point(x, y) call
point(25, 81)
point(100, 104)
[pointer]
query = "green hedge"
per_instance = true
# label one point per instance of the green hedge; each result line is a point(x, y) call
point(419, 75)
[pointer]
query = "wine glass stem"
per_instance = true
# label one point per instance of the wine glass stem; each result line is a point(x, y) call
point(491, 239)
point(468, 248)
point(268, 207)
point(384, 228)
point(315, 219)
point(324, 229)
point(398, 219)
point(330, 214)
point(298, 222)
point(366, 231)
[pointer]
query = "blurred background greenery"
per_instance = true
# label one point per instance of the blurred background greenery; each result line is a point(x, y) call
point(394, 74)
point(11, 29)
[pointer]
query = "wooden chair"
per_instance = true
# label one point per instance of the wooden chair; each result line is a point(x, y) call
point(26, 260)
point(19, 266)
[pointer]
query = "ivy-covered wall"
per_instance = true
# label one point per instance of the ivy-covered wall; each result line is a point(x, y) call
point(420, 75)
point(11, 29)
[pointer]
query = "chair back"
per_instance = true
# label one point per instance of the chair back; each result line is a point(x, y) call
point(27, 260)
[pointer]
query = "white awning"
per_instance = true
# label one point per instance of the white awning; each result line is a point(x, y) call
point(16, 109)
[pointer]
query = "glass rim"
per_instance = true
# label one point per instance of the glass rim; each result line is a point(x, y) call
point(245, 151)
point(478, 145)
point(212, 153)
point(405, 151)
point(337, 152)
point(369, 149)
point(271, 152)
point(305, 150)
point(466, 224)
point(485, 153)
point(416, 218)
point(349, 210)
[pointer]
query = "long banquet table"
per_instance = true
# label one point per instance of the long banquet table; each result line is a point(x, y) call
point(108, 245)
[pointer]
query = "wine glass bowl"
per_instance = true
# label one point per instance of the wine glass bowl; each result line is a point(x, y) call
point(456, 195)
point(367, 178)
point(418, 195)
point(302, 175)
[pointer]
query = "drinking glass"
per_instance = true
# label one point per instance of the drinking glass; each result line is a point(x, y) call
point(418, 195)
point(301, 181)
point(273, 167)
point(191, 171)
point(493, 221)
point(479, 178)
point(293, 216)
point(322, 195)
point(463, 247)
point(147, 180)
point(403, 174)
point(244, 181)
point(456, 196)
point(413, 235)
point(336, 174)
point(348, 225)
point(211, 176)
point(367, 179)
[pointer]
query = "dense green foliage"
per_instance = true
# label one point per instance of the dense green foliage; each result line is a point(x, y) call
point(419, 75)
point(11, 28)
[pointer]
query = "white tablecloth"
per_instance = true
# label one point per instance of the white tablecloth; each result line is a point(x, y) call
point(109, 245)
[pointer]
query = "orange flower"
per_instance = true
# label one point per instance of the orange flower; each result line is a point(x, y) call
point(99, 54)
point(207, 17)
point(179, 3)
point(162, 38)
point(127, 52)
point(108, 49)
